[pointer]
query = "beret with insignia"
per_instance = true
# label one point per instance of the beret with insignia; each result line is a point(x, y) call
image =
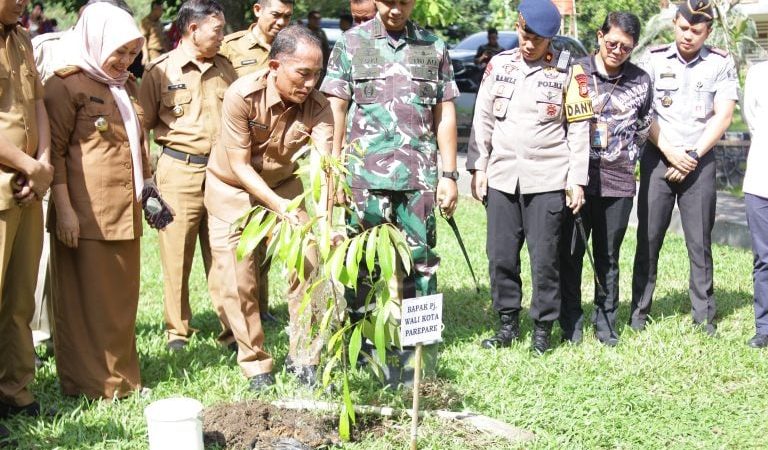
point(540, 16)
point(696, 11)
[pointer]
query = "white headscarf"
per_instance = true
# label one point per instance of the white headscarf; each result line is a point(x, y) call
point(102, 29)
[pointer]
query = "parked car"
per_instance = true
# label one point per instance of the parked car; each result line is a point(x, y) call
point(468, 75)
point(332, 30)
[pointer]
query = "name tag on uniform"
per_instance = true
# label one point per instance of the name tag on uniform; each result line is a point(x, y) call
point(257, 125)
point(97, 100)
point(248, 62)
point(176, 87)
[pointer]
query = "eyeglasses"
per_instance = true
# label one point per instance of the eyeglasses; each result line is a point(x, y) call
point(624, 49)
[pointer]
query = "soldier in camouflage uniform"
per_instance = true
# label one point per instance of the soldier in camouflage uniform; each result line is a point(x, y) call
point(391, 88)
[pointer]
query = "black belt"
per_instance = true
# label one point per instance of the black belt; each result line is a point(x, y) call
point(186, 157)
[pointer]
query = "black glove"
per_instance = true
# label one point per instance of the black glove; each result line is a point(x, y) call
point(157, 213)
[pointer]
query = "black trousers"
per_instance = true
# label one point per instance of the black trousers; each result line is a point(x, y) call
point(606, 219)
point(513, 219)
point(696, 199)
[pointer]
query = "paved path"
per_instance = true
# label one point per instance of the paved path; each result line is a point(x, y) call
point(730, 221)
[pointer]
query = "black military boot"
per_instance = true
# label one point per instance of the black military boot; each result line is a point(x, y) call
point(508, 331)
point(541, 333)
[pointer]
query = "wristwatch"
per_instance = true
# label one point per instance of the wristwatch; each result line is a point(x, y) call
point(693, 154)
point(452, 175)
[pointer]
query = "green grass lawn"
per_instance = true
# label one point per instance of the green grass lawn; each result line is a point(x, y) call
point(668, 387)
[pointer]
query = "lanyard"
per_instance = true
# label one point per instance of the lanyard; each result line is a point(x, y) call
point(597, 94)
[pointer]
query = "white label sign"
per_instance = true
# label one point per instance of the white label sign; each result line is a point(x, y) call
point(421, 320)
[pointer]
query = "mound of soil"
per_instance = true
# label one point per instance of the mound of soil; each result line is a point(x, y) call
point(254, 424)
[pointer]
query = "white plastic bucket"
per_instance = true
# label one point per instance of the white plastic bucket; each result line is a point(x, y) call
point(175, 424)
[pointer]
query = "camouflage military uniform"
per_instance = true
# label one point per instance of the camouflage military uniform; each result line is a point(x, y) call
point(392, 86)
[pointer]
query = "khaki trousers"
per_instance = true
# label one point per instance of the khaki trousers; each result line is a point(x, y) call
point(95, 301)
point(234, 288)
point(21, 240)
point(181, 186)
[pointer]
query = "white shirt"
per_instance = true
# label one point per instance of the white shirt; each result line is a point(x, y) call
point(756, 115)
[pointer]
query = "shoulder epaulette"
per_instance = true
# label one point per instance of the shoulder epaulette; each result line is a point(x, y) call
point(563, 60)
point(156, 61)
point(718, 51)
point(64, 72)
point(511, 51)
point(659, 48)
point(235, 35)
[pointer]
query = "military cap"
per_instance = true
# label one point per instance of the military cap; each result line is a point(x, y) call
point(539, 16)
point(696, 11)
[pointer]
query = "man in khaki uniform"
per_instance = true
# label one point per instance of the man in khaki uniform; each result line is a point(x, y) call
point(25, 175)
point(155, 41)
point(268, 116)
point(247, 50)
point(181, 95)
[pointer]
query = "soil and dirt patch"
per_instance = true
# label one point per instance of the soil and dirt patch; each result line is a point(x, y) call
point(259, 425)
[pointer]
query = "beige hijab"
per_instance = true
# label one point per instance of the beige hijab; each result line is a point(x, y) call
point(102, 29)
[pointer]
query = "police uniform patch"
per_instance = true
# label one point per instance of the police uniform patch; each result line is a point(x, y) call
point(550, 72)
point(551, 110)
point(509, 68)
point(581, 79)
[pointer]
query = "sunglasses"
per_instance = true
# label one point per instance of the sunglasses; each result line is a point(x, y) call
point(624, 49)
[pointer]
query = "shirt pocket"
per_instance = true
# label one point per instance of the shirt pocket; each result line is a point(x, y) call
point(97, 119)
point(368, 91)
point(549, 105)
point(295, 138)
point(502, 93)
point(424, 85)
point(28, 81)
point(177, 103)
point(705, 95)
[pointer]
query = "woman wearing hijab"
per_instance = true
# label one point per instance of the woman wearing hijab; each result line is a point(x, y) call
point(99, 170)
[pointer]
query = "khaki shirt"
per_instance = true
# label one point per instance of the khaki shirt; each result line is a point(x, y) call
point(520, 135)
point(182, 99)
point(20, 88)
point(95, 165)
point(155, 39)
point(247, 50)
point(258, 124)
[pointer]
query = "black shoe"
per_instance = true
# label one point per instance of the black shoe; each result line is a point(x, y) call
point(177, 345)
point(509, 331)
point(637, 326)
point(232, 346)
point(266, 316)
point(306, 375)
point(758, 341)
point(707, 328)
point(540, 341)
point(609, 341)
point(573, 338)
point(31, 410)
point(261, 382)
